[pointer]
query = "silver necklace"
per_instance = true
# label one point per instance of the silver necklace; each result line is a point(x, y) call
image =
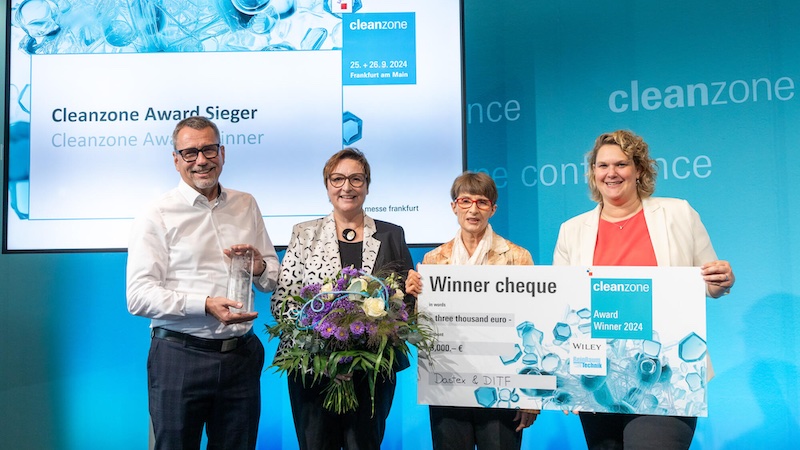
point(629, 218)
point(626, 222)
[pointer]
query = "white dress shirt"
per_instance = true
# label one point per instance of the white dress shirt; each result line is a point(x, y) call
point(176, 259)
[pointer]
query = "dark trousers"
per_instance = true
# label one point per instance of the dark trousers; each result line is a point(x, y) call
point(320, 429)
point(633, 432)
point(455, 428)
point(190, 388)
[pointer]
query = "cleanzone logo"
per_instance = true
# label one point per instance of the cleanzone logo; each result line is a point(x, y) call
point(622, 308)
point(641, 97)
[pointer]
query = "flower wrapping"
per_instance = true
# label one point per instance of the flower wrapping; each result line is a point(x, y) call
point(353, 322)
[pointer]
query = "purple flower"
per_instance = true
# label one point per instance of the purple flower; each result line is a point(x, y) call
point(310, 291)
point(349, 306)
point(341, 334)
point(372, 328)
point(345, 359)
point(341, 284)
point(326, 329)
point(351, 271)
point(404, 315)
point(357, 328)
point(343, 302)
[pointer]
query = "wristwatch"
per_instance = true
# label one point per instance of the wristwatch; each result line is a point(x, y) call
point(264, 267)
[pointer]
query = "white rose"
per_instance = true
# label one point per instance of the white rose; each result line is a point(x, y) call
point(374, 307)
point(398, 295)
point(327, 287)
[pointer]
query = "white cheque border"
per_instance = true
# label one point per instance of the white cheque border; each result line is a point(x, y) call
point(520, 337)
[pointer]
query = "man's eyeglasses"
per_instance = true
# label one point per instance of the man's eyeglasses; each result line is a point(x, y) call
point(190, 154)
point(356, 180)
point(466, 203)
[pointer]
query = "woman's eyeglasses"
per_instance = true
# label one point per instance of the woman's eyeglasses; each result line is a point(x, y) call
point(466, 203)
point(356, 180)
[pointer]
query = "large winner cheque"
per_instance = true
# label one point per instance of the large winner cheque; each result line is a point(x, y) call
point(604, 339)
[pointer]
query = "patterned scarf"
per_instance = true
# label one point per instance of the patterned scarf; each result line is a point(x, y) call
point(480, 256)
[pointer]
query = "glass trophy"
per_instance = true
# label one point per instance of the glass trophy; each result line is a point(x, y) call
point(240, 282)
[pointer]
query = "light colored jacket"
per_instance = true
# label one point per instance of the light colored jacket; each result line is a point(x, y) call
point(678, 236)
point(502, 253)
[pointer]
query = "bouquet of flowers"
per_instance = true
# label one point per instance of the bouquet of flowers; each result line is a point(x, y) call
point(351, 322)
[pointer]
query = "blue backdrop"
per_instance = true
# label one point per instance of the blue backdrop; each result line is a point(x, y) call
point(712, 86)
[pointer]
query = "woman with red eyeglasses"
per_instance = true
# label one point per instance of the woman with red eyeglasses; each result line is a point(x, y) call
point(474, 203)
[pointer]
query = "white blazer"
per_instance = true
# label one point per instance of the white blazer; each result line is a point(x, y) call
point(676, 232)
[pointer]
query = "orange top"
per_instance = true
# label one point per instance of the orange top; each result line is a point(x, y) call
point(624, 243)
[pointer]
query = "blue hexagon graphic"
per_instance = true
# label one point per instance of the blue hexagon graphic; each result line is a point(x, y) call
point(351, 128)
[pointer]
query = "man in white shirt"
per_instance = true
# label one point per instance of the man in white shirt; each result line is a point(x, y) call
point(205, 362)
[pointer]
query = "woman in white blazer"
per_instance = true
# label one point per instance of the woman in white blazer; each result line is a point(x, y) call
point(630, 228)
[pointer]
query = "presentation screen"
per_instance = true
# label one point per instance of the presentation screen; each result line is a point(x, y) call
point(95, 88)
